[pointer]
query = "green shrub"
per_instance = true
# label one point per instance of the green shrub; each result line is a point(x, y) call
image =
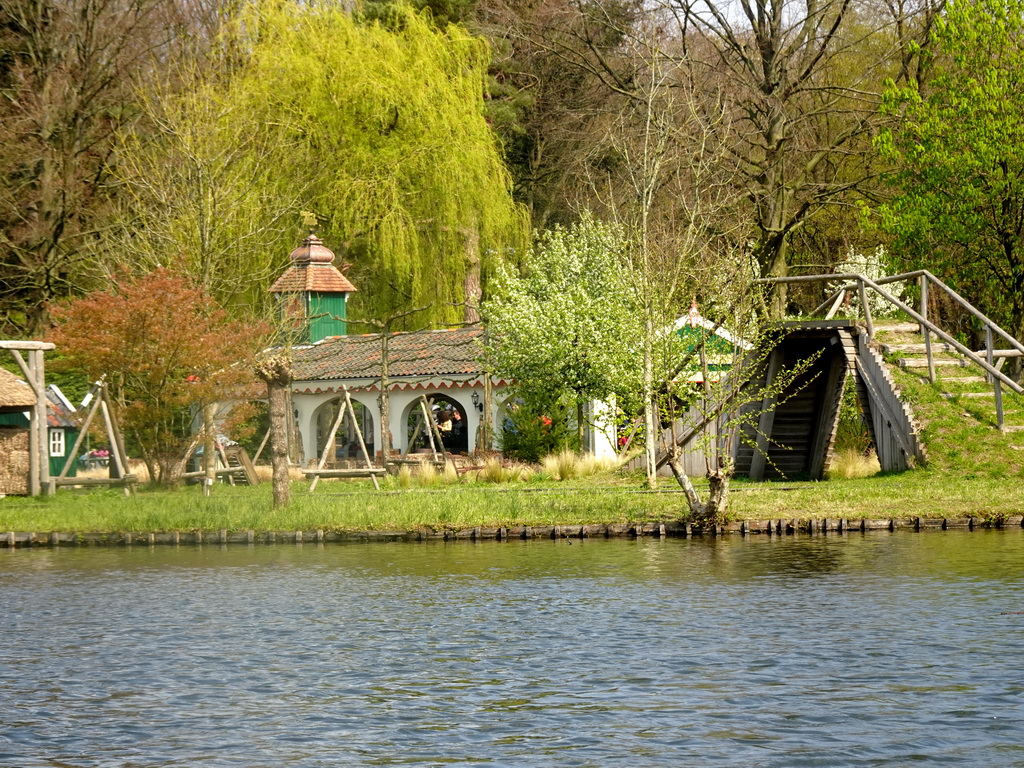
point(530, 432)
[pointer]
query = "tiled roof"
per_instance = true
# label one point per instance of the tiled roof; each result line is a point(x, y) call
point(57, 415)
point(424, 353)
point(14, 393)
point(320, 278)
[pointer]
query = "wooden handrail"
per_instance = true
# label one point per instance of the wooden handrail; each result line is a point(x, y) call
point(860, 281)
point(852, 284)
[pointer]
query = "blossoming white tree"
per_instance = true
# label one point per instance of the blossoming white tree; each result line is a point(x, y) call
point(563, 326)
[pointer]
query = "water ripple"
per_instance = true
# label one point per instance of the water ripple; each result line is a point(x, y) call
point(865, 650)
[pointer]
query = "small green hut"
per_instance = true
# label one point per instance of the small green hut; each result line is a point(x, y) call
point(719, 344)
point(61, 429)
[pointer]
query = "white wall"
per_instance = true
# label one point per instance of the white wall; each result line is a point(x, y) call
point(402, 402)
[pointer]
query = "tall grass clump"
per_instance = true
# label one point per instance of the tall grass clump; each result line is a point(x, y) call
point(566, 465)
point(404, 478)
point(495, 470)
point(424, 475)
point(852, 463)
point(854, 454)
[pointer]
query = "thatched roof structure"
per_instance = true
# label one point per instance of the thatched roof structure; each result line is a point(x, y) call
point(15, 395)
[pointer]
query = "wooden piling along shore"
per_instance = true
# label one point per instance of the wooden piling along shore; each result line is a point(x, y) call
point(778, 527)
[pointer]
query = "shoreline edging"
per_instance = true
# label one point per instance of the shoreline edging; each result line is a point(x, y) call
point(670, 529)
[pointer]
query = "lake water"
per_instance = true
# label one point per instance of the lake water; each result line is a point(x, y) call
point(874, 649)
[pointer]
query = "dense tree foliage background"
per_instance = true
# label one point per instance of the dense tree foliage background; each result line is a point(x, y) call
point(426, 140)
point(566, 328)
point(958, 154)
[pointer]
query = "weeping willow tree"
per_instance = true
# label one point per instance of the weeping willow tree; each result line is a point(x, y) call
point(378, 130)
point(205, 192)
point(384, 126)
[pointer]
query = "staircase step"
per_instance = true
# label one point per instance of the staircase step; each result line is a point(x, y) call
point(898, 327)
point(954, 395)
point(888, 349)
point(962, 379)
point(920, 362)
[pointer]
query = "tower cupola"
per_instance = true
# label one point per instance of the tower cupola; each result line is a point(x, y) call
point(313, 292)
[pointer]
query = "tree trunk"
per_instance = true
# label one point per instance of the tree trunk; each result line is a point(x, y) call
point(713, 512)
point(276, 372)
point(209, 451)
point(684, 481)
point(650, 410)
point(279, 442)
point(486, 418)
point(717, 506)
point(386, 440)
point(471, 291)
point(773, 253)
point(581, 432)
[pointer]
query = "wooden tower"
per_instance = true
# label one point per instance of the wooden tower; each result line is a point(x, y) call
point(313, 293)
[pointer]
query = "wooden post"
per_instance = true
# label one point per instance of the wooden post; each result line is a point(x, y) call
point(263, 445)
point(118, 440)
point(342, 410)
point(209, 451)
point(46, 485)
point(828, 415)
point(867, 309)
point(840, 298)
point(115, 450)
point(384, 401)
point(420, 423)
point(223, 454)
point(81, 437)
point(487, 417)
point(38, 443)
point(924, 329)
point(359, 436)
point(429, 422)
point(997, 387)
point(28, 371)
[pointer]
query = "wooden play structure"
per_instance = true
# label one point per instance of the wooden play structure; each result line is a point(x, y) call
point(425, 424)
point(40, 480)
point(119, 477)
point(370, 471)
point(236, 468)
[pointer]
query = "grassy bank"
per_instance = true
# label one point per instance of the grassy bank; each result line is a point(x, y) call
point(974, 471)
point(604, 498)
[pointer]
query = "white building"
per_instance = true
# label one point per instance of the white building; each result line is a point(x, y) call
point(440, 365)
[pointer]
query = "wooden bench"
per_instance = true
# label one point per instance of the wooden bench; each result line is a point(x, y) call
point(350, 472)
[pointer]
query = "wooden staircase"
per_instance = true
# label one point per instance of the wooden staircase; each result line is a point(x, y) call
point(796, 436)
point(240, 469)
point(957, 378)
point(795, 430)
point(792, 433)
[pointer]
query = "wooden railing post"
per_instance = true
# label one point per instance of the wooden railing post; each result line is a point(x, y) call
point(840, 298)
point(867, 309)
point(924, 329)
point(997, 388)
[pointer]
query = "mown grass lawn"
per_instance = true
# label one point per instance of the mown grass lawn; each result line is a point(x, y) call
point(598, 499)
point(974, 471)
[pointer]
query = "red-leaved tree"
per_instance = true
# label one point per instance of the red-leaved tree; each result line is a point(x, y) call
point(166, 350)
